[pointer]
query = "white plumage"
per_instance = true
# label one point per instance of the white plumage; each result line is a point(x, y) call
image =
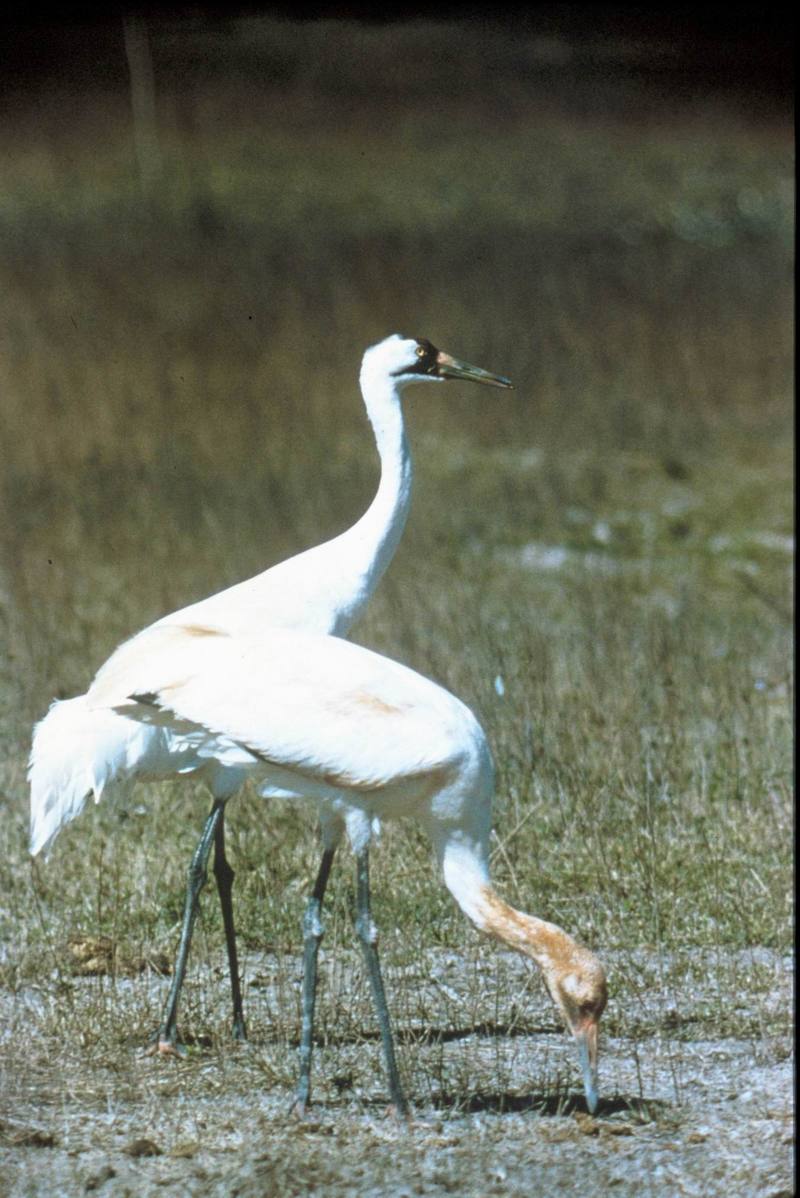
point(251, 682)
point(318, 718)
point(79, 750)
point(185, 697)
point(311, 716)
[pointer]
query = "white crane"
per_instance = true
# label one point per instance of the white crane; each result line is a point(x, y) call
point(79, 750)
point(318, 718)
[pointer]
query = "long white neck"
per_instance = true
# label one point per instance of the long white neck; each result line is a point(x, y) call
point(326, 588)
point(362, 553)
point(375, 537)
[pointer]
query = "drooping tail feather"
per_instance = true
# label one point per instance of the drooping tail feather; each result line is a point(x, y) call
point(76, 752)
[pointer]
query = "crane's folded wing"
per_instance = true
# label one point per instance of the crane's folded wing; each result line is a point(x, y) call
point(318, 706)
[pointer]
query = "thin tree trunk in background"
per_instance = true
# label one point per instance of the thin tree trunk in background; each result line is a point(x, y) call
point(143, 102)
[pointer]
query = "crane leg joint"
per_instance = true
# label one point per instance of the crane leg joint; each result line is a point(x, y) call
point(313, 927)
point(198, 876)
point(223, 872)
point(366, 930)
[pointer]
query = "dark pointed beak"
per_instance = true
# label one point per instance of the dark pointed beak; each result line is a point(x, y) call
point(586, 1039)
point(448, 367)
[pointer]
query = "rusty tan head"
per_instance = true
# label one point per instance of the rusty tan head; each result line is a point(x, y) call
point(577, 984)
point(573, 975)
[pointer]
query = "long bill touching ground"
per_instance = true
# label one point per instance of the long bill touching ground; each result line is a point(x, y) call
point(318, 718)
point(79, 748)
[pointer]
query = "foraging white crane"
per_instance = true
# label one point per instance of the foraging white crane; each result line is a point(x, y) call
point(318, 718)
point(80, 749)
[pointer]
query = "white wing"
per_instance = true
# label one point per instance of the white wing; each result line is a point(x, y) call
point(317, 706)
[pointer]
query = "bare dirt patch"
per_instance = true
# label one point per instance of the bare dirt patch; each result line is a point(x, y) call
point(682, 1113)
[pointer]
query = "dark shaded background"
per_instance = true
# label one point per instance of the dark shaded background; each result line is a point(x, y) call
point(705, 47)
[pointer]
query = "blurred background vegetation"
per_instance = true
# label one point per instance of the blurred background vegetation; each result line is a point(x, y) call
point(599, 562)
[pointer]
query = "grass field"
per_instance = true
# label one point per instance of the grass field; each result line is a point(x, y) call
point(610, 546)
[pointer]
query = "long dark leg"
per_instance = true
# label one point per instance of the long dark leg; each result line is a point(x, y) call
point(368, 935)
point(312, 934)
point(167, 1035)
point(225, 875)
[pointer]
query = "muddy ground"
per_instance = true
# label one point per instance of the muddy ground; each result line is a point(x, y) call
point(684, 1112)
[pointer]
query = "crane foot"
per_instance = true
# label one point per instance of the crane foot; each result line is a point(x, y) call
point(298, 1108)
point(164, 1046)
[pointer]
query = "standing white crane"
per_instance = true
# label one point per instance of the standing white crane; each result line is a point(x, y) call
point(315, 717)
point(80, 749)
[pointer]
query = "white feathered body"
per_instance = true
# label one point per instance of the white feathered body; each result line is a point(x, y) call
point(80, 748)
point(306, 716)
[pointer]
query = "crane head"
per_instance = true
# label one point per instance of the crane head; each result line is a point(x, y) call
point(417, 360)
point(579, 990)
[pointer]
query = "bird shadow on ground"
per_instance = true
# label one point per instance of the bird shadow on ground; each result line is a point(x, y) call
point(556, 1105)
point(429, 1035)
point(484, 1029)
